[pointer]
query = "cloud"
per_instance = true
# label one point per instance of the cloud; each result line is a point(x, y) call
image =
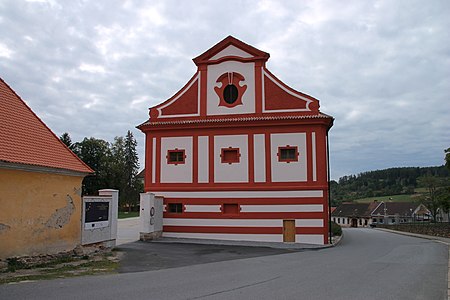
point(381, 68)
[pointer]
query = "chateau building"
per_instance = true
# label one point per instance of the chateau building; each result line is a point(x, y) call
point(238, 155)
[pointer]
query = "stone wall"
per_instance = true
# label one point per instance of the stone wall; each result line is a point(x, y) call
point(436, 229)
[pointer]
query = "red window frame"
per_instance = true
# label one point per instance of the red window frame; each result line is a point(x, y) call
point(288, 160)
point(233, 209)
point(230, 158)
point(176, 150)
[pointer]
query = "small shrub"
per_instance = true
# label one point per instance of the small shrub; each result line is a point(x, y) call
point(15, 264)
point(335, 229)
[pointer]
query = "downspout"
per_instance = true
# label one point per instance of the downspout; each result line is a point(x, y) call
point(329, 188)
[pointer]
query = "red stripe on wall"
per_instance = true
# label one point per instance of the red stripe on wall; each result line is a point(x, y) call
point(309, 230)
point(242, 230)
point(246, 201)
point(261, 215)
point(239, 230)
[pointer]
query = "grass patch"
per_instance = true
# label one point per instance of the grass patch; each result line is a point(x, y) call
point(61, 268)
point(392, 198)
point(125, 214)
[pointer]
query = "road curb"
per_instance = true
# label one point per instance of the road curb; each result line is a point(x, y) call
point(275, 245)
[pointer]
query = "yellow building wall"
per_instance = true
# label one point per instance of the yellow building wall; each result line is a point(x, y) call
point(40, 213)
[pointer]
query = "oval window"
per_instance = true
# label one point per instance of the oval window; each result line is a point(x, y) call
point(230, 94)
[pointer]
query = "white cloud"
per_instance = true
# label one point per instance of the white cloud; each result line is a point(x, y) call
point(91, 68)
point(5, 51)
point(382, 69)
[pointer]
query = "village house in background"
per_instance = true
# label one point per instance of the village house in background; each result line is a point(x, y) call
point(354, 214)
point(40, 184)
point(379, 213)
point(238, 155)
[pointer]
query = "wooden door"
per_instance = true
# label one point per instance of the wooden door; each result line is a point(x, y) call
point(289, 231)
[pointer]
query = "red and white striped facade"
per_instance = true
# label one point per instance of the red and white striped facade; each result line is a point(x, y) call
point(250, 195)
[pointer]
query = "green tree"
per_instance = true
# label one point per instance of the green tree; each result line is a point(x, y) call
point(131, 189)
point(65, 138)
point(96, 154)
point(118, 164)
point(443, 198)
point(447, 158)
point(435, 192)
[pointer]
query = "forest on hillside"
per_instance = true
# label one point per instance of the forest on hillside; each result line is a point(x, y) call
point(392, 181)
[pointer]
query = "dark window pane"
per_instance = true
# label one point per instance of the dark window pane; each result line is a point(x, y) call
point(288, 154)
point(230, 94)
point(176, 156)
point(175, 207)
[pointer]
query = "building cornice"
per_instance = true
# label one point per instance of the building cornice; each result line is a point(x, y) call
point(40, 169)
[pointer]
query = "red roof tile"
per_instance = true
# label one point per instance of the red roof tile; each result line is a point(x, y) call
point(25, 139)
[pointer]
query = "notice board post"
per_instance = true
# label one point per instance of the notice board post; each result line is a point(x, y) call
point(99, 218)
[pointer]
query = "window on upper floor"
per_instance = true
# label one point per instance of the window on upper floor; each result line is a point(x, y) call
point(176, 156)
point(288, 154)
point(230, 155)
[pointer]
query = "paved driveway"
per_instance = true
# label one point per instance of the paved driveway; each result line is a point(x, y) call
point(127, 230)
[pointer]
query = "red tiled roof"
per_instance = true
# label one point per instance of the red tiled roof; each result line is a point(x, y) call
point(25, 139)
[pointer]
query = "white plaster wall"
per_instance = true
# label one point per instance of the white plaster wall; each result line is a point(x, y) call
point(260, 157)
point(228, 236)
point(203, 159)
point(316, 239)
point(231, 51)
point(235, 172)
point(314, 156)
point(180, 173)
point(154, 160)
point(292, 171)
point(282, 208)
point(248, 99)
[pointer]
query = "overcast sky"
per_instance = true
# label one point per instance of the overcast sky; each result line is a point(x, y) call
point(381, 68)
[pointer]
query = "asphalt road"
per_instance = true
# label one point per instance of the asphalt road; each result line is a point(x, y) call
point(368, 264)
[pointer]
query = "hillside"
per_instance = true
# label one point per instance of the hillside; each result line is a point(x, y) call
point(402, 182)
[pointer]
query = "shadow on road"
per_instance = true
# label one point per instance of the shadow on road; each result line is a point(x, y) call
point(147, 256)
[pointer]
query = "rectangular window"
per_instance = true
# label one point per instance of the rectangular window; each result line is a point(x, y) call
point(230, 155)
point(176, 208)
point(288, 154)
point(175, 156)
point(230, 208)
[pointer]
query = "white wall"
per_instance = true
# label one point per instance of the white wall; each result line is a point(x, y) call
point(248, 99)
point(235, 172)
point(292, 171)
point(260, 157)
point(203, 159)
point(180, 173)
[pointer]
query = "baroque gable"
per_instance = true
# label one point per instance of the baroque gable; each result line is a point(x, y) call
point(232, 81)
